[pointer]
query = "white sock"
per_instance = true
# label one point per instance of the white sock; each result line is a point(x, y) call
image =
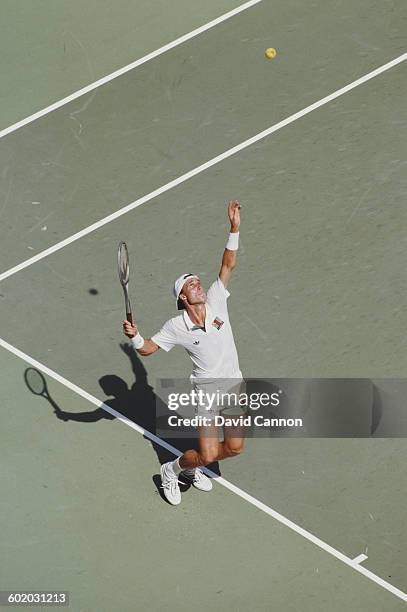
point(176, 466)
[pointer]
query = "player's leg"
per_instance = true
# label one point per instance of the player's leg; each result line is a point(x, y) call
point(209, 448)
point(234, 441)
point(188, 464)
point(234, 435)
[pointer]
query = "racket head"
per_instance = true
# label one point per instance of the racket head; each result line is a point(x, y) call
point(123, 263)
point(35, 381)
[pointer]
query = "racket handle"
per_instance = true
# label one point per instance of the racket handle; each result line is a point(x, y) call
point(129, 317)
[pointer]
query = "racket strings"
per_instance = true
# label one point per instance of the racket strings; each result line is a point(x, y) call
point(123, 264)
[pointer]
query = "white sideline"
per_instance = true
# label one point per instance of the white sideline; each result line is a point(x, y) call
point(352, 563)
point(120, 71)
point(202, 167)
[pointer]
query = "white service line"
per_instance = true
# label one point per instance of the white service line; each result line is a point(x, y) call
point(225, 483)
point(120, 71)
point(202, 167)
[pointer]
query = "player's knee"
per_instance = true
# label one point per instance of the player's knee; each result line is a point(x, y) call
point(209, 456)
point(235, 450)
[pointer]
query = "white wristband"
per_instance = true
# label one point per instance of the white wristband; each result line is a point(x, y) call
point(233, 241)
point(137, 341)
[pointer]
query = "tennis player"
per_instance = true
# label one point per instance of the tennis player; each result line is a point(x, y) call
point(204, 330)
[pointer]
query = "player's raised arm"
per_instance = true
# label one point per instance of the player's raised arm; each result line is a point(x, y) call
point(144, 347)
point(230, 253)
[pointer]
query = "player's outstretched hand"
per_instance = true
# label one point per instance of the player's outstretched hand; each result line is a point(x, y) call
point(129, 330)
point(234, 214)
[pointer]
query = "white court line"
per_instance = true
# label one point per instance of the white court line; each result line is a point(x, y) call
point(225, 483)
point(202, 167)
point(359, 559)
point(120, 71)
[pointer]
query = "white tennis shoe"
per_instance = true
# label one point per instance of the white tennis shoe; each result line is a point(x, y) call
point(169, 483)
point(198, 479)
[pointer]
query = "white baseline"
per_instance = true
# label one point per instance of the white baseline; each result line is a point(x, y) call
point(202, 167)
point(352, 563)
point(124, 69)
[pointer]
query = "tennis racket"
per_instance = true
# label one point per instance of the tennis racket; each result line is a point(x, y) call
point(124, 273)
point(36, 382)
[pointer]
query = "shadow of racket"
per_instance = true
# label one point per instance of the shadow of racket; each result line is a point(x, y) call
point(37, 384)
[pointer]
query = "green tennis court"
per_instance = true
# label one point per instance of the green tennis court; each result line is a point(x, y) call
point(151, 154)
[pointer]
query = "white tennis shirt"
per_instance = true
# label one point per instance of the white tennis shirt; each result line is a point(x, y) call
point(212, 351)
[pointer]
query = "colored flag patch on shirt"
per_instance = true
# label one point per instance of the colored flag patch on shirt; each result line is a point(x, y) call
point(217, 322)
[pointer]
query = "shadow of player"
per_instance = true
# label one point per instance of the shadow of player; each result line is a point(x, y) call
point(138, 403)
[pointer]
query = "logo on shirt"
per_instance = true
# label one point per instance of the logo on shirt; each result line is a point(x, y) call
point(217, 322)
point(196, 342)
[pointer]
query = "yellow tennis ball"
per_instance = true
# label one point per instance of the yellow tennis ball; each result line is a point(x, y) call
point(271, 53)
